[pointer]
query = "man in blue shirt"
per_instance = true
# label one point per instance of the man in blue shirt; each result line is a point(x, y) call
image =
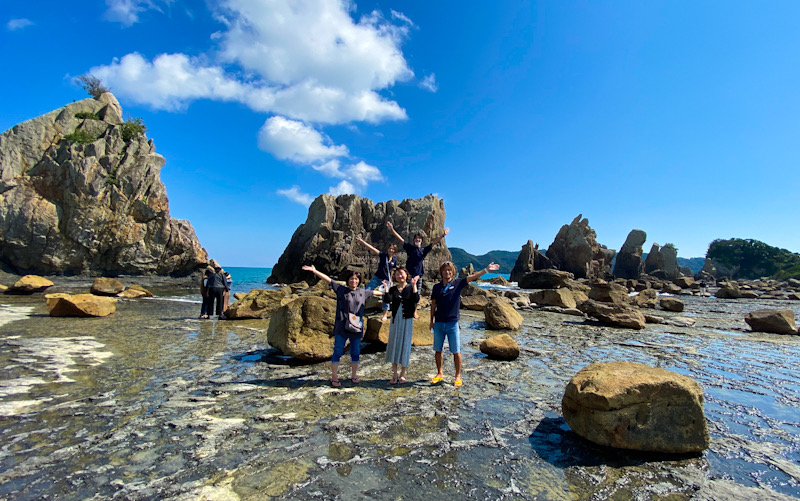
point(445, 304)
point(415, 262)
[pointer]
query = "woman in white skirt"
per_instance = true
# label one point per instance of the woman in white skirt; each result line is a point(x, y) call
point(402, 299)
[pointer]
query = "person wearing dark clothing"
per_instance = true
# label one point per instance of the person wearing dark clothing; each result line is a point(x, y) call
point(349, 320)
point(415, 261)
point(382, 278)
point(445, 303)
point(217, 285)
point(205, 292)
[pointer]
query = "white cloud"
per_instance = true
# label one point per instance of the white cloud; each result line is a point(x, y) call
point(295, 195)
point(330, 169)
point(429, 83)
point(18, 24)
point(126, 12)
point(402, 17)
point(362, 173)
point(292, 140)
point(343, 188)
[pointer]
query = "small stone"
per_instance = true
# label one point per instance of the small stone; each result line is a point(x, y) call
point(500, 347)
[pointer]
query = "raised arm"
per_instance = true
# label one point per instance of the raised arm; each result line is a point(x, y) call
point(414, 283)
point(479, 273)
point(391, 228)
point(318, 273)
point(437, 240)
point(368, 246)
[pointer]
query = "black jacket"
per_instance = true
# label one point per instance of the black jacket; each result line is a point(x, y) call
point(407, 297)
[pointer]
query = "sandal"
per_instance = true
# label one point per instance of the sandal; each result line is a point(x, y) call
point(436, 379)
point(335, 383)
point(393, 381)
point(402, 380)
point(355, 380)
point(457, 383)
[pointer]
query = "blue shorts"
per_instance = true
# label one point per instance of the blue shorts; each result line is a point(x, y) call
point(449, 330)
point(338, 347)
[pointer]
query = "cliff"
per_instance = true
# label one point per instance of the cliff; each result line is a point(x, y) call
point(81, 194)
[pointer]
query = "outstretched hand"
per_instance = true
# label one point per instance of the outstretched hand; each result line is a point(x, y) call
point(415, 280)
point(309, 268)
point(358, 237)
point(446, 231)
point(389, 225)
point(493, 267)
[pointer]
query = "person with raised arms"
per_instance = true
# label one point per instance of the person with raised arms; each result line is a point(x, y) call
point(386, 262)
point(349, 321)
point(402, 298)
point(415, 262)
point(445, 304)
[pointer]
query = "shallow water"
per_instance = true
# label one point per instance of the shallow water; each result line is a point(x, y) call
point(153, 403)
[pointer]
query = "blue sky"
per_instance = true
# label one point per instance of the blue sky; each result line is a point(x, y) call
point(679, 118)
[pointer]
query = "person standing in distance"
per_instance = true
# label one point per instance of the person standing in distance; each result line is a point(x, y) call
point(445, 304)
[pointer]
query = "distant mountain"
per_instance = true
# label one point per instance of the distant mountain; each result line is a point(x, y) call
point(748, 258)
point(505, 259)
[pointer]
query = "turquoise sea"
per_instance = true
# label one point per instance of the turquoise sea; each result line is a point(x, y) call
point(246, 279)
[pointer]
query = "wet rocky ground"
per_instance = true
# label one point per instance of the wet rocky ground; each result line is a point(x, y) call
point(152, 403)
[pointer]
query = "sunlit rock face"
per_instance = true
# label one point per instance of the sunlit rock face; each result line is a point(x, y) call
point(82, 194)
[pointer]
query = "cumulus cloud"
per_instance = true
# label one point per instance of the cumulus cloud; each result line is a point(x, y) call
point(18, 24)
point(292, 140)
point(343, 188)
point(362, 173)
point(429, 83)
point(295, 195)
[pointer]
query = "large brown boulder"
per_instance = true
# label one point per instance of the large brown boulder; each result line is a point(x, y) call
point(562, 297)
point(104, 286)
point(729, 290)
point(96, 208)
point(80, 305)
point(609, 292)
point(629, 262)
point(500, 315)
point(614, 314)
point(671, 304)
point(633, 406)
point(500, 347)
point(648, 298)
point(476, 302)
point(545, 279)
point(528, 260)
point(575, 249)
point(30, 284)
point(663, 259)
point(327, 238)
point(421, 333)
point(769, 320)
point(303, 328)
point(258, 303)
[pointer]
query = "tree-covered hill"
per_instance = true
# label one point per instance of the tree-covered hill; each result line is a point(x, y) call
point(505, 259)
point(748, 258)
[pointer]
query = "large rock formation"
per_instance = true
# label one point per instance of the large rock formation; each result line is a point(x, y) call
point(662, 259)
point(629, 262)
point(575, 249)
point(327, 238)
point(528, 260)
point(634, 406)
point(80, 193)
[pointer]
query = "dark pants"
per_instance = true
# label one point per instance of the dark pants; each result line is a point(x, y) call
point(215, 293)
point(204, 309)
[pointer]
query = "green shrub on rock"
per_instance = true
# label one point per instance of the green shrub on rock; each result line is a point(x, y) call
point(80, 136)
point(132, 128)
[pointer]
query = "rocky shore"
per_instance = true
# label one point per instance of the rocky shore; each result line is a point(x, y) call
point(152, 403)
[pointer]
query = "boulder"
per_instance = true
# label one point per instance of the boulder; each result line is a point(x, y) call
point(139, 288)
point(500, 315)
point(609, 292)
point(684, 282)
point(575, 249)
point(421, 333)
point(545, 279)
point(258, 303)
point(95, 208)
point(499, 281)
point(633, 406)
point(104, 286)
point(132, 294)
point(671, 304)
point(562, 298)
point(303, 328)
point(774, 321)
point(647, 298)
point(529, 259)
point(327, 238)
point(500, 347)
point(664, 259)
point(614, 314)
point(729, 290)
point(80, 305)
point(629, 262)
point(30, 284)
point(477, 303)
point(299, 286)
point(671, 288)
point(466, 271)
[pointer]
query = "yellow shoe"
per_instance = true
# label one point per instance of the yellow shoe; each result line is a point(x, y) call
point(457, 383)
point(436, 380)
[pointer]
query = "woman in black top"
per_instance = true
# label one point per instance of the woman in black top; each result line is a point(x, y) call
point(402, 298)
